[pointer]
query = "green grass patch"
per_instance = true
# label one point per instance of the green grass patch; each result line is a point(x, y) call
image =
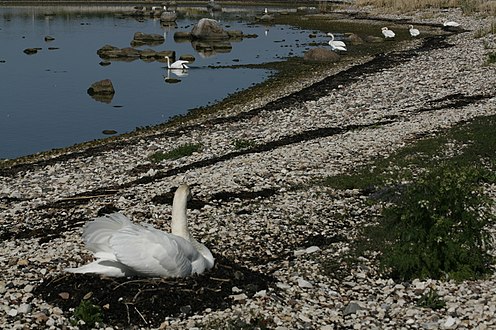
point(243, 144)
point(436, 228)
point(434, 225)
point(432, 300)
point(179, 152)
point(88, 313)
point(491, 58)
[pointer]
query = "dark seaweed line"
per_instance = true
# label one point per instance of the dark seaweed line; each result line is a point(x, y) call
point(380, 62)
point(284, 141)
point(313, 92)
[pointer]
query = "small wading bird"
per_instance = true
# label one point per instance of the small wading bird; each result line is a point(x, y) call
point(123, 248)
point(336, 44)
point(414, 32)
point(387, 33)
point(179, 64)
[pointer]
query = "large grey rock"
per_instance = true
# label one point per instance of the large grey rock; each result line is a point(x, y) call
point(102, 91)
point(168, 16)
point(102, 87)
point(208, 29)
point(141, 38)
point(321, 54)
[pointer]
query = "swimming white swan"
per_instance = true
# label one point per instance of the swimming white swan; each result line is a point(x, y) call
point(126, 249)
point(387, 33)
point(179, 64)
point(413, 32)
point(336, 44)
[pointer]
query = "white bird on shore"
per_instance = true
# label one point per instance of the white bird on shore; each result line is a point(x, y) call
point(413, 32)
point(387, 33)
point(123, 248)
point(451, 24)
point(336, 44)
point(179, 64)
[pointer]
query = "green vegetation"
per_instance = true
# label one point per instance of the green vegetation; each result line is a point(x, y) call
point(491, 58)
point(434, 224)
point(432, 300)
point(243, 144)
point(88, 313)
point(255, 322)
point(436, 227)
point(179, 152)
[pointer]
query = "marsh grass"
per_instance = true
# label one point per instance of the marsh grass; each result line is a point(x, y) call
point(467, 6)
point(435, 222)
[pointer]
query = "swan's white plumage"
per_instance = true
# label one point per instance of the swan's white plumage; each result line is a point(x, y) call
point(413, 31)
point(451, 24)
point(387, 32)
point(123, 248)
point(179, 64)
point(336, 44)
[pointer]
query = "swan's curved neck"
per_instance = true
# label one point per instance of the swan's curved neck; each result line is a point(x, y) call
point(168, 66)
point(332, 36)
point(179, 225)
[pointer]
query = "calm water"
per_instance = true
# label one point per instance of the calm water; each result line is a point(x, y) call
point(43, 98)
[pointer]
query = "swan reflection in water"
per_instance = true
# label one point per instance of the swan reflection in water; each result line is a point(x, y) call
point(122, 248)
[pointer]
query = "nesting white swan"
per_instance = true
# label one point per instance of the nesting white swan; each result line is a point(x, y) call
point(387, 33)
point(177, 65)
point(451, 24)
point(413, 32)
point(126, 249)
point(336, 44)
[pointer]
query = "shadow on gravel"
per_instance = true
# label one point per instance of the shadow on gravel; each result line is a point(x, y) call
point(146, 302)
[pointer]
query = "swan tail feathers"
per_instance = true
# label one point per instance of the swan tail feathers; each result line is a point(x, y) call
point(102, 267)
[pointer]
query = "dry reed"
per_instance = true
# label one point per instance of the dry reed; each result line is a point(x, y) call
point(467, 6)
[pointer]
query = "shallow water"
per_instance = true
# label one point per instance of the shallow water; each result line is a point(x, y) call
point(44, 102)
point(43, 97)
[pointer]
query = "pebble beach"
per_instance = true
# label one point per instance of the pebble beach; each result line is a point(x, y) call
point(260, 208)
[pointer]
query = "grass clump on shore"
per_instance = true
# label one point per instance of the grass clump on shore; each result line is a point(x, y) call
point(436, 228)
point(436, 214)
point(88, 313)
point(432, 300)
point(243, 144)
point(491, 58)
point(179, 152)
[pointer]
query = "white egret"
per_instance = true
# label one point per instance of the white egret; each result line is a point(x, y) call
point(387, 33)
point(123, 248)
point(179, 64)
point(413, 32)
point(336, 44)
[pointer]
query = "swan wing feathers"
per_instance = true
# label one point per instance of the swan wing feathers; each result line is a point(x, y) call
point(179, 64)
point(152, 252)
point(97, 233)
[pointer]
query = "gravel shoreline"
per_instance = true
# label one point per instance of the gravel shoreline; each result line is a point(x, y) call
point(255, 208)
